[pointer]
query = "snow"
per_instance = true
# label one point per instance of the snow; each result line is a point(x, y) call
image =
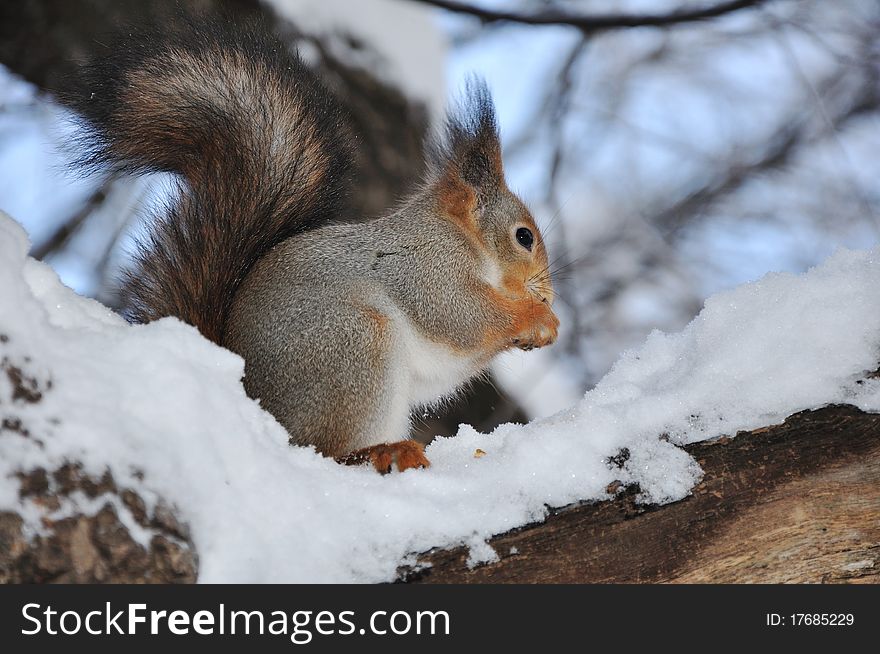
point(160, 402)
point(480, 553)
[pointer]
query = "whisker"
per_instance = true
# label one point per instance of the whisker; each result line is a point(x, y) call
point(548, 266)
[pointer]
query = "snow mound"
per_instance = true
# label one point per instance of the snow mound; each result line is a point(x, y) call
point(164, 410)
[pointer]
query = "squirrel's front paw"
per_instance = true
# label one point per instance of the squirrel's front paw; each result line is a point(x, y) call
point(385, 457)
point(541, 330)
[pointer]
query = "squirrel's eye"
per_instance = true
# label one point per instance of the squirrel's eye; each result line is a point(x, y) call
point(525, 238)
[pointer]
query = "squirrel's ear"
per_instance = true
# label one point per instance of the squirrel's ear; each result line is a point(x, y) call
point(467, 161)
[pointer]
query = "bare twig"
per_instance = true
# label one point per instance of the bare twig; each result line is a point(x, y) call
point(62, 234)
point(591, 24)
point(869, 100)
point(787, 140)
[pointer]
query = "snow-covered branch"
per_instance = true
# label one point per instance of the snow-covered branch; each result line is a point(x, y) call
point(157, 414)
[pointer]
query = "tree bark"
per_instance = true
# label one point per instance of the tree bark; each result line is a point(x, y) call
point(797, 502)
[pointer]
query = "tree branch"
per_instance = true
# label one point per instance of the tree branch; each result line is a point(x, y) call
point(59, 238)
point(595, 23)
point(792, 503)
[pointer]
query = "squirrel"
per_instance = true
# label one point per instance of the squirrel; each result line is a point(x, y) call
point(345, 327)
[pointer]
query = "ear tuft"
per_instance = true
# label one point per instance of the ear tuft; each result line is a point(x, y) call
point(470, 150)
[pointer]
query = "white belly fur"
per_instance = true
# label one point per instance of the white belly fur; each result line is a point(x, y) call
point(435, 371)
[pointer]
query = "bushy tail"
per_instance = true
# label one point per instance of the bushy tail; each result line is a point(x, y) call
point(260, 146)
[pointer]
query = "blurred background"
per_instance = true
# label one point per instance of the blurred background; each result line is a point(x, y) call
point(668, 148)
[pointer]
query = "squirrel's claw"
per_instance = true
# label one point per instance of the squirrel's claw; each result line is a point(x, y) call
point(385, 457)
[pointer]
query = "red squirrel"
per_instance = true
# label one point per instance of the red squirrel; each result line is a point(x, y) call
point(344, 328)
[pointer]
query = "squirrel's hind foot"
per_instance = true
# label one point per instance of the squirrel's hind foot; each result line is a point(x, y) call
point(385, 457)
